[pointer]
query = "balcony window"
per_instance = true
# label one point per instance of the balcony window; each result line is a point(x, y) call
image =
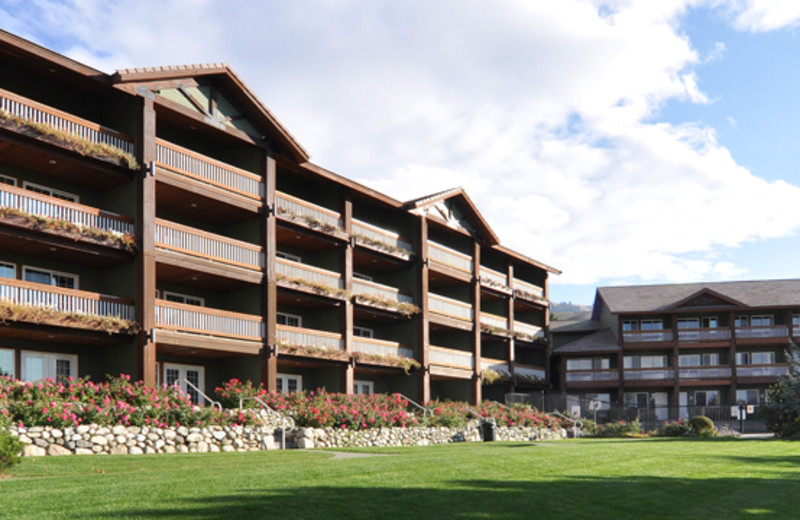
point(588, 364)
point(747, 396)
point(44, 365)
point(706, 398)
point(645, 361)
point(184, 298)
point(44, 190)
point(7, 363)
point(292, 320)
point(362, 332)
point(796, 320)
point(359, 276)
point(55, 278)
point(630, 325)
point(696, 360)
point(741, 321)
point(5, 179)
point(755, 358)
point(363, 387)
point(688, 323)
point(710, 322)
point(288, 256)
point(8, 270)
point(761, 321)
point(289, 383)
point(652, 325)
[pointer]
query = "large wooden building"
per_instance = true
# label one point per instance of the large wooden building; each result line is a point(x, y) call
point(161, 222)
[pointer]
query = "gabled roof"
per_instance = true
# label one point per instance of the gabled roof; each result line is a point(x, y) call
point(670, 297)
point(156, 77)
point(706, 297)
point(602, 341)
point(575, 326)
point(459, 196)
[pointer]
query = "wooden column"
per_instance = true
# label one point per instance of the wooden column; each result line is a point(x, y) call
point(269, 351)
point(146, 259)
point(477, 381)
point(733, 349)
point(512, 327)
point(347, 315)
point(676, 352)
point(423, 334)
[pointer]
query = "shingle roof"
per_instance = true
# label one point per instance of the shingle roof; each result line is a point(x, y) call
point(603, 341)
point(652, 298)
point(575, 326)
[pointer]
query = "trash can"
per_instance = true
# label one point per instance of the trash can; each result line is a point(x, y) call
point(489, 433)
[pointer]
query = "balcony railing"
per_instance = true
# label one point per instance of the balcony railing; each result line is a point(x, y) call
point(528, 288)
point(65, 300)
point(450, 307)
point(381, 347)
point(774, 331)
point(374, 233)
point(308, 273)
point(704, 373)
point(303, 337)
point(593, 375)
point(210, 322)
point(762, 370)
point(377, 289)
point(449, 256)
point(527, 328)
point(647, 336)
point(493, 278)
point(648, 374)
point(528, 371)
point(195, 242)
point(498, 365)
point(50, 207)
point(493, 320)
point(207, 170)
point(290, 206)
point(451, 357)
point(39, 113)
point(700, 335)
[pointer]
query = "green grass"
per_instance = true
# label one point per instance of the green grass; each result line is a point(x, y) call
point(597, 479)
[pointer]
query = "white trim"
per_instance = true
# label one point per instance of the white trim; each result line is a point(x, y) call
point(9, 370)
point(48, 364)
point(188, 299)
point(52, 192)
point(363, 332)
point(360, 276)
point(13, 267)
point(183, 374)
point(284, 318)
point(5, 179)
point(288, 256)
point(53, 274)
point(283, 381)
point(361, 387)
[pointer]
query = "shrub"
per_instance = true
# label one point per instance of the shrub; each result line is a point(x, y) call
point(619, 429)
point(10, 450)
point(782, 409)
point(702, 426)
point(674, 429)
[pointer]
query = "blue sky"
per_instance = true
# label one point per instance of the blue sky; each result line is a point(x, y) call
point(622, 141)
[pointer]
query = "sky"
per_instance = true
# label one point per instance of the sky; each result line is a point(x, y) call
point(620, 141)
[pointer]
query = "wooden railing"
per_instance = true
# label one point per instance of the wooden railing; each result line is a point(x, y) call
point(309, 338)
point(704, 373)
point(494, 320)
point(382, 347)
point(698, 335)
point(381, 235)
point(527, 328)
point(293, 206)
point(210, 171)
point(377, 289)
point(211, 322)
point(451, 357)
point(774, 331)
point(35, 112)
point(528, 288)
point(529, 371)
point(498, 365)
point(308, 273)
point(593, 375)
point(450, 307)
point(195, 242)
point(493, 277)
point(449, 256)
point(65, 300)
point(647, 336)
point(50, 207)
point(648, 374)
point(761, 370)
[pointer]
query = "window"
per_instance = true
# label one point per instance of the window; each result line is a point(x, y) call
point(588, 364)
point(362, 332)
point(44, 190)
point(184, 298)
point(292, 320)
point(706, 398)
point(8, 270)
point(359, 276)
point(710, 359)
point(747, 396)
point(603, 401)
point(796, 320)
point(637, 399)
point(710, 322)
point(289, 383)
point(7, 363)
point(178, 375)
point(363, 387)
point(645, 361)
point(761, 321)
point(758, 358)
point(44, 365)
point(288, 256)
point(688, 323)
point(5, 179)
point(652, 325)
point(65, 280)
point(630, 325)
point(696, 360)
point(741, 321)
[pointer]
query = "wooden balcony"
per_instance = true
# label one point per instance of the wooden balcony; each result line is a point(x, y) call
point(704, 373)
point(648, 336)
point(648, 374)
point(449, 258)
point(762, 370)
point(450, 308)
point(528, 291)
point(703, 335)
point(530, 332)
point(199, 168)
point(65, 300)
point(494, 280)
point(299, 341)
point(591, 376)
point(529, 373)
point(31, 111)
point(762, 333)
point(379, 239)
point(381, 347)
point(208, 247)
point(498, 365)
point(383, 297)
point(308, 215)
point(449, 357)
point(309, 278)
point(210, 322)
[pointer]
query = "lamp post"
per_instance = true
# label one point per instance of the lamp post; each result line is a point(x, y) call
point(741, 415)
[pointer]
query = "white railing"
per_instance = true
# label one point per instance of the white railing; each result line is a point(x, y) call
point(648, 374)
point(762, 371)
point(528, 371)
point(527, 287)
point(696, 335)
point(498, 365)
point(381, 235)
point(293, 206)
point(192, 241)
point(493, 320)
point(308, 273)
point(450, 307)
point(380, 346)
point(50, 207)
point(493, 277)
point(309, 338)
point(65, 300)
point(205, 169)
point(647, 336)
point(704, 373)
point(527, 328)
point(593, 375)
point(450, 257)
point(775, 331)
point(211, 322)
point(30, 110)
point(451, 357)
point(376, 289)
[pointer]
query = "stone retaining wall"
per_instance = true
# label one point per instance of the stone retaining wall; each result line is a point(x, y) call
point(134, 440)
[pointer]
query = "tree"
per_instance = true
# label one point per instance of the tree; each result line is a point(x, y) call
point(782, 409)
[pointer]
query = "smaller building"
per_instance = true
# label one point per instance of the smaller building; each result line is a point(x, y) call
point(661, 352)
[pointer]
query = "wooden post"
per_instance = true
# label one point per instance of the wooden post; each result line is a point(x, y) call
point(269, 351)
point(347, 315)
point(477, 381)
point(423, 341)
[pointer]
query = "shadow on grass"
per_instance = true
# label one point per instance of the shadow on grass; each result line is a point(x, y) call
point(578, 498)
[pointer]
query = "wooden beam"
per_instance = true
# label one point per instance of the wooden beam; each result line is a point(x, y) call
point(146, 259)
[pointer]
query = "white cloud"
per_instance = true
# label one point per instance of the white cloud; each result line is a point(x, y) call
point(546, 112)
point(765, 15)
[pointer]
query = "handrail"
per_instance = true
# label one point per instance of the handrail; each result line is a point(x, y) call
point(215, 404)
point(577, 423)
point(269, 410)
point(425, 410)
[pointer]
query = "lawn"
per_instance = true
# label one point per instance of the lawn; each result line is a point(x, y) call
point(597, 479)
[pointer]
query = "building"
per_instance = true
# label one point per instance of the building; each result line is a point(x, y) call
point(671, 351)
point(161, 222)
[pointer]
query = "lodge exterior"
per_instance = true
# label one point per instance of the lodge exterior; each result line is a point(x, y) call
point(679, 350)
point(161, 222)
